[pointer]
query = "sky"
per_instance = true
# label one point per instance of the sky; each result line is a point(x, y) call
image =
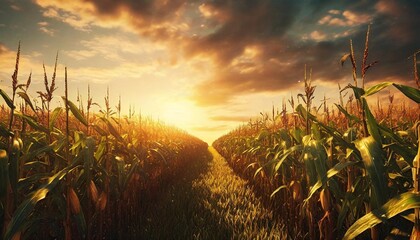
point(206, 66)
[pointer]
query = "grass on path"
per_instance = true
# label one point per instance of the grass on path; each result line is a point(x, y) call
point(209, 202)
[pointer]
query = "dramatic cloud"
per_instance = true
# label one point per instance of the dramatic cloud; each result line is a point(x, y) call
point(281, 57)
point(140, 15)
point(258, 46)
point(203, 60)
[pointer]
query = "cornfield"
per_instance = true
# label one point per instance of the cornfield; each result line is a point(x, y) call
point(336, 174)
point(341, 172)
point(68, 173)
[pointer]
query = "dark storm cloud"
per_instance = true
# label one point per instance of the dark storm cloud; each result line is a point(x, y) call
point(145, 10)
point(243, 23)
point(393, 38)
point(259, 46)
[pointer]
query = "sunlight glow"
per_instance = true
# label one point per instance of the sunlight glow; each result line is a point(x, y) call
point(180, 113)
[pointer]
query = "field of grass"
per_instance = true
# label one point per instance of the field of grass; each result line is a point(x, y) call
point(323, 172)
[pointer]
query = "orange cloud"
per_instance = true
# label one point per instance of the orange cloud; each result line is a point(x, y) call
point(247, 46)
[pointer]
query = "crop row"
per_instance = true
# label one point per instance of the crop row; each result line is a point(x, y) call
point(336, 174)
point(68, 173)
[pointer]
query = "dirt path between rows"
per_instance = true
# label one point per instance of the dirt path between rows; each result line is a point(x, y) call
point(209, 202)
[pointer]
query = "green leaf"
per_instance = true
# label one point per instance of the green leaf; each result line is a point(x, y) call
point(27, 99)
point(37, 151)
point(6, 98)
point(331, 173)
point(14, 171)
point(112, 130)
point(55, 114)
point(348, 115)
point(26, 207)
point(412, 93)
point(76, 112)
point(4, 132)
point(277, 190)
point(320, 158)
point(4, 174)
point(330, 130)
point(100, 150)
point(280, 158)
point(32, 180)
point(32, 122)
point(311, 171)
point(393, 207)
point(372, 125)
point(374, 160)
point(378, 87)
point(358, 92)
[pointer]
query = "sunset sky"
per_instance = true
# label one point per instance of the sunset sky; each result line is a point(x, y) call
point(204, 66)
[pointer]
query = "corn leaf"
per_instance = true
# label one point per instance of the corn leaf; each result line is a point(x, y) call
point(331, 173)
point(393, 207)
point(27, 99)
point(412, 93)
point(27, 182)
point(55, 114)
point(348, 115)
point(100, 150)
point(277, 190)
point(13, 171)
point(374, 89)
point(320, 158)
point(280, 159)
point(7, 99)
point(37, 151)
point(372, 125)
point(76, 112)
point(330, 130)
point(112, 130)
point(309, 162)
point(4, 174)
point(4, 132)
point(373, 159)
point(26, 207)
point(358, 92)
point(32, 122)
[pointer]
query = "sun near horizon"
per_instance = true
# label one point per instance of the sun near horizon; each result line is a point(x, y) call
point(203, 66)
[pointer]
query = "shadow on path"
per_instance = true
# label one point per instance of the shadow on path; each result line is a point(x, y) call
point(208, 202)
